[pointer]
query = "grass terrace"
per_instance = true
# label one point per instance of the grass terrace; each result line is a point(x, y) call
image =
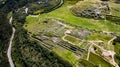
point(116, 13)
point(94, 58)
point(114, 5)
point(99, 36)
point(67, 55)
point(86, 63)
point(72, 39)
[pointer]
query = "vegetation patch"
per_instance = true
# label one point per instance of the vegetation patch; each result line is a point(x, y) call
point(98, 61)
point(99, 36)
point(72, 39)
point(84, 62)
point(102, 37)
point(67, 55)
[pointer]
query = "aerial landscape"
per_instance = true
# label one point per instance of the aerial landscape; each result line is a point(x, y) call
point(59, 33)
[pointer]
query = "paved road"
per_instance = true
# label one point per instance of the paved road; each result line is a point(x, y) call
point(10, 45)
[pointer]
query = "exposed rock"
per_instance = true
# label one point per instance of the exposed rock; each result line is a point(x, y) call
point(96, 9)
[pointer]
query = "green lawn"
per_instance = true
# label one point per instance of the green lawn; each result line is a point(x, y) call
point(64, 14)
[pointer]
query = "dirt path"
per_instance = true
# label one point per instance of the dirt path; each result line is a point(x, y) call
point(89, 50)
point(110, 41)
point(10, 45)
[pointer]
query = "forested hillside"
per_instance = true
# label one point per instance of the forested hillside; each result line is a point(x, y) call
point(5, 34)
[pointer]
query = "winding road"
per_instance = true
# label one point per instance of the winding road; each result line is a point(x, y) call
point(10, 45)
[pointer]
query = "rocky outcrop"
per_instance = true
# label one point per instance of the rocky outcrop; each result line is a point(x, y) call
point(98, 9)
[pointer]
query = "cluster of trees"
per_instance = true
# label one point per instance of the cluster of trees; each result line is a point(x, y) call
point(6, 6)
point(5, 34)
point(35, 8)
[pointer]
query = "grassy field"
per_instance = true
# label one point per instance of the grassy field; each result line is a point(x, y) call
point(72, 39)
point(64, 14)
point(86, 63)
point(98, 36)
point(116, 13)
point(67, 55)
point(117, 50)
point(99, 62)
point(102, 37)
point(114, 5)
